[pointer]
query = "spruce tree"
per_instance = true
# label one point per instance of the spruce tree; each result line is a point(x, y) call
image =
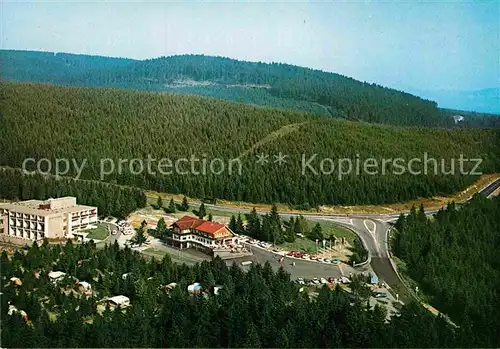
point(202, 212)
point(185, 205)
point(160, 226)
point(140, 237)
point(239, 225)
point(232, 224)
point(253, 227)
point(171, 206)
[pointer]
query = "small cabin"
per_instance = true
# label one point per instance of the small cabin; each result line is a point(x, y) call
point(118, 302)
point(55, 276)
point(194, 288)
point(16, 281)
point(84, 287)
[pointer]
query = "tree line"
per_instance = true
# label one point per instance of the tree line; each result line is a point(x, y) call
point(454, 258)
point(173, 127)
point(256, 308)
point(275, 84)
point(109, 199)
point(272, 228)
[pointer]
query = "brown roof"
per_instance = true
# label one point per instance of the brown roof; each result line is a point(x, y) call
point(210, 227)
point(200, 225)
point(188, 222)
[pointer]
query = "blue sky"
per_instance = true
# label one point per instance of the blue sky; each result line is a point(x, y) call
point(418, 45)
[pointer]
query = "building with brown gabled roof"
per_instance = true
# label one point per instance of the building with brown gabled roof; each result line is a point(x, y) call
point(187, 222)
point(197, 233)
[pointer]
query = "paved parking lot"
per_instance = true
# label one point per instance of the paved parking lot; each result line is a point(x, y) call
point(302, 268)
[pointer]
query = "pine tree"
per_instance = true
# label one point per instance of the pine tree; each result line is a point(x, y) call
point(185, 205)
point(160, 226)
point(171, 206)
point(253, 227)
point(140, 237)
point(421, 214)
point(159, 203)
point(210, 217)
point(317, 232)
point(202, 212)
point(290, 235)
point(274, 216)
point(239, 225)
point(252, 339)
point(232, 224)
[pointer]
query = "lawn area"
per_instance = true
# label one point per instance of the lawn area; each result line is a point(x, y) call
point(333, 229)
point(99, 233)
point(329, 229)
point(177, 258)
point(300, 244)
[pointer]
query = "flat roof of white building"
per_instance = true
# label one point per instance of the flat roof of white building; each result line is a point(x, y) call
point(119, 299)
point(48, 207)
point(56, 274)
point(85, 284)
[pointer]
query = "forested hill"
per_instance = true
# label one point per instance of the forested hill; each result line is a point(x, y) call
point(276, 85)
point(42, 121)
point(454, 258)
point(52, 67)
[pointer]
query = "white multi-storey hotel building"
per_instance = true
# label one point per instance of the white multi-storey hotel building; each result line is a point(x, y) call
point(54, 219)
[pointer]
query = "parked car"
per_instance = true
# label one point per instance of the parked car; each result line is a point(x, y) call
point(380, 295)
point(315, 280)
point(324, 281)
point(335, 261)
point(300, 281)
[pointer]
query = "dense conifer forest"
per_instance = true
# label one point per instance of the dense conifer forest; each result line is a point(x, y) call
point(108, 198)
point(41, 121)
point(256, 308)
point(275, 85)
point(52, 67)
point(455, 258)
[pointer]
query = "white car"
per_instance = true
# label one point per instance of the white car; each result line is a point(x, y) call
point(315, 280)
point(345, 280)
point(324, 281)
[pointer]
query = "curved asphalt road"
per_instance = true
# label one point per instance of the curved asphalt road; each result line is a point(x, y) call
point(372, 229)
